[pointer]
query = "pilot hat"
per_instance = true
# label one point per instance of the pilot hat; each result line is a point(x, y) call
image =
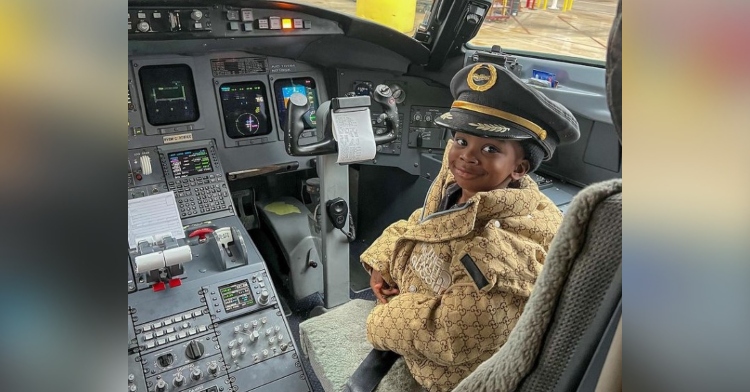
point(490, 101)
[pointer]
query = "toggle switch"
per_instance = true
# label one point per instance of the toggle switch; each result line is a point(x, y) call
point(196, 374)
point(179, 379)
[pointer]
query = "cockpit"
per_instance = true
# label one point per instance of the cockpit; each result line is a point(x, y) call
point(270, 143)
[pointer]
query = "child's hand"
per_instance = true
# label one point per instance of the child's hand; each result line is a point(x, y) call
point(380, 287)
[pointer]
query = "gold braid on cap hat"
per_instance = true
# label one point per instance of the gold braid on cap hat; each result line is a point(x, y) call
point(539, 131)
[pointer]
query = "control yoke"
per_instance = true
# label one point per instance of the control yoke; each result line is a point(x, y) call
point(299, 105)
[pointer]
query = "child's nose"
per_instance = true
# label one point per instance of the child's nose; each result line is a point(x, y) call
point(469, 155)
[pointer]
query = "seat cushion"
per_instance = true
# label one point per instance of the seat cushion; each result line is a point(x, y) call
point(336, 343)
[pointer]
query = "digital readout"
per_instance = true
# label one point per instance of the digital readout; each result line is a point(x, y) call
point(236, 296)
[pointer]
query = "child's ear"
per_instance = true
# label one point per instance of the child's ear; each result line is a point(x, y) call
point(521, 169)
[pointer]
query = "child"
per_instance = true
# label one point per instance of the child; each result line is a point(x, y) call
point(452, 281)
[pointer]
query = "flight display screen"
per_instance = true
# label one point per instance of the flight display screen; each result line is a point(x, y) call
point(236, 296)
point(284, 88)
point(169, 94)
point(190, 162)
point(245, 109)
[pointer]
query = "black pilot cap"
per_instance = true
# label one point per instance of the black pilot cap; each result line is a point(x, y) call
point(491, 101)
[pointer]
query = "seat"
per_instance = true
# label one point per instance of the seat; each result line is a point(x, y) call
point(336, 343)
point(564, 333)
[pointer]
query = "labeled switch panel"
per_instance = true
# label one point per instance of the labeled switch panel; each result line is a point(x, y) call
point(141, 21)
point(423, 132)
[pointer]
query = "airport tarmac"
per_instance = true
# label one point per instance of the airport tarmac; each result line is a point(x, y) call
point(581, 31)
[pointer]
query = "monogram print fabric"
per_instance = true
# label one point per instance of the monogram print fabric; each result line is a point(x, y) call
point(442, 322)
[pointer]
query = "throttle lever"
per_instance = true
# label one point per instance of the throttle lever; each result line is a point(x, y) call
point(384, 96)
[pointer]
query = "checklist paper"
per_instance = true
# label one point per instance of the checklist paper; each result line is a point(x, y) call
point(352, 129)
point(153, 216)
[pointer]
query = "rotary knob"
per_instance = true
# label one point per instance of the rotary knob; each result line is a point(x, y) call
point(143, 27)
point(263, 297)
point(161, 385)
point(196, 15)
point(212, 368)
point(196, 374)
point(254, 336)
point(194, 350)
point(179, 379)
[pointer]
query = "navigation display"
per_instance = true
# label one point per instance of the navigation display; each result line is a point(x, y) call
point(236, 296)
point(284, 88)
point(190, 162)
point(245, 109)
point(169, 94)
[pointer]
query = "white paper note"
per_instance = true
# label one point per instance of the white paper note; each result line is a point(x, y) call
point(152, 216)
point(353, 132)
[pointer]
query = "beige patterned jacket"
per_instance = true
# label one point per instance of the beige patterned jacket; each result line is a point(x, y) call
point(464, 276)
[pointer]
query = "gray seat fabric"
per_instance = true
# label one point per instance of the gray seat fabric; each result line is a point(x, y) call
point(586, 304)
point(336, 343)
point(570, 306)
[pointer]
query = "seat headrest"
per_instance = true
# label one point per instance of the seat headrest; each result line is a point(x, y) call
point(614, 71)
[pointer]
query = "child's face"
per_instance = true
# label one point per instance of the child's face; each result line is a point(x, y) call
point(482, 164)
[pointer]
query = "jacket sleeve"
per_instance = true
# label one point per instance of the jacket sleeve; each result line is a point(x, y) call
point(449, 330)
point(378, 256)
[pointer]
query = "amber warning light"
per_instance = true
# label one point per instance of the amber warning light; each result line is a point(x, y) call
point(286, 24)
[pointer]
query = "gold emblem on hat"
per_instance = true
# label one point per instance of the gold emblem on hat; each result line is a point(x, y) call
point(490, 127)
point(447, 116)
point(482, 77)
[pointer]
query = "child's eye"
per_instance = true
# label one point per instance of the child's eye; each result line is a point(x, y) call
point(460, 142)
point(490, 148)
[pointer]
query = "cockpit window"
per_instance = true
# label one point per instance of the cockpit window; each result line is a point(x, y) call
point(402, 15)
point(569, 28)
